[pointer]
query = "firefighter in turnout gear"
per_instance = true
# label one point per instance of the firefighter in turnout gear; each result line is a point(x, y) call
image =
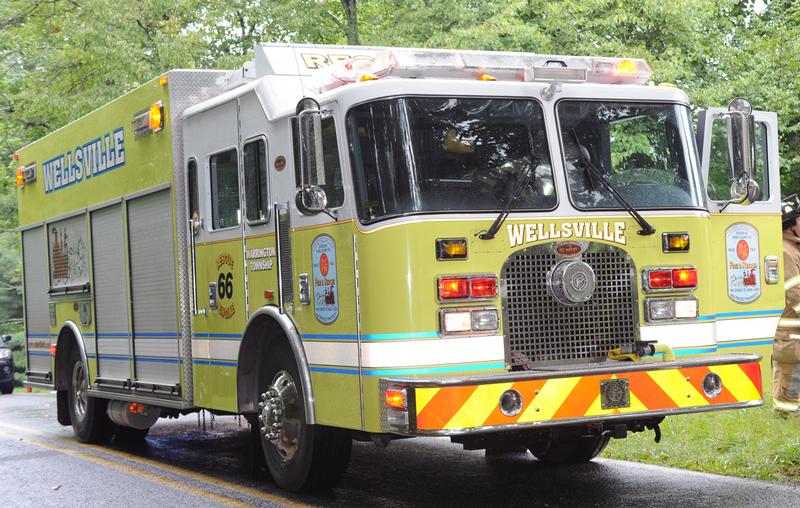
point(786, 348)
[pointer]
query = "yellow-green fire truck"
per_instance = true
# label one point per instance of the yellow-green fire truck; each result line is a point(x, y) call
point(513, 250)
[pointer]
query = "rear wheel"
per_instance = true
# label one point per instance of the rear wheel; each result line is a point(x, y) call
point(298, 456)
point(570, 450)
point(88, 414)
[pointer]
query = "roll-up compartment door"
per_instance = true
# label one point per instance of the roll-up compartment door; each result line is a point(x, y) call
point(37, 311)
point(111, 295)
point(153, 292)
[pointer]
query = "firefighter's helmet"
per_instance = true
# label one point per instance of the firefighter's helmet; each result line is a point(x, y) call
point(790, 208)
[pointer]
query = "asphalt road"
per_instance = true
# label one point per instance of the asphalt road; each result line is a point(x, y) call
point(182, 464)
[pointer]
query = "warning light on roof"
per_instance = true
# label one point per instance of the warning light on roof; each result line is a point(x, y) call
point(487, 77)
point(156, 117)
point(148, 120)
point(626, 69)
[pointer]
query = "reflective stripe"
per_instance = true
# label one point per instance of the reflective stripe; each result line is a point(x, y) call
point(797, 308)
point(793, 336)
point(788, 323)
point(790, 283)
point(785, 406)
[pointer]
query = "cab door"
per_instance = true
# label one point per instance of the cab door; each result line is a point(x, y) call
point(260, 273)
point(744, 238)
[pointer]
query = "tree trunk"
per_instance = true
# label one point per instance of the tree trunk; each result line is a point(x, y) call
point(352, 21)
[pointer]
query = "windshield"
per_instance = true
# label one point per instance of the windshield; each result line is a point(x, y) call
point(425, 154)
point(644, 150)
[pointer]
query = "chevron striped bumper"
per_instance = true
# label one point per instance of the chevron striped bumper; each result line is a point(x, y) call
point(560, 395)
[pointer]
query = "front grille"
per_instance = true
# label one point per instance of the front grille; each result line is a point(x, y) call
point(539, 330)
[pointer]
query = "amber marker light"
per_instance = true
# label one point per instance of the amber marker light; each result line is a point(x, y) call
point(451, 248)
point(395, 398)
point(487, 77)
point(53, 348)
point(20, 178)
point(163, 81)
point(675, 242)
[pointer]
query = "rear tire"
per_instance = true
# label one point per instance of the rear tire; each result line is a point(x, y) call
point(87, 414)
point(571, 451)
point(300, 457)
point(7, 388)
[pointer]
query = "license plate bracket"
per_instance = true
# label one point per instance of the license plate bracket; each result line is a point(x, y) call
point(615, 393)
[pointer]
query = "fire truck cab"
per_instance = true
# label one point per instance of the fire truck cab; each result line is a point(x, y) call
point(517, 251)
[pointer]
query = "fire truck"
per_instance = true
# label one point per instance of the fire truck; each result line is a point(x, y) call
point(512, 250)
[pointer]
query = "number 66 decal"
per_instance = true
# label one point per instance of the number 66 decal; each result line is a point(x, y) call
point(225, 286)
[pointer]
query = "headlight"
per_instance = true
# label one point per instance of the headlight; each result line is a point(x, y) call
point(5, 353)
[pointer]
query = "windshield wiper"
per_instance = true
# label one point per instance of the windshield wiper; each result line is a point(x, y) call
point(586, 160)
point(488, 235)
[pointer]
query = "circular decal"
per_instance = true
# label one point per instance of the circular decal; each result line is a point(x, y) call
point(742, 249)
point(280, 163)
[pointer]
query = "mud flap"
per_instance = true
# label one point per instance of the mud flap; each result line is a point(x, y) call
point(62, 407)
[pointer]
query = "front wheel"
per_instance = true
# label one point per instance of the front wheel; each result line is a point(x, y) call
point(300, 457)
point(7, 388)
point(88, 414)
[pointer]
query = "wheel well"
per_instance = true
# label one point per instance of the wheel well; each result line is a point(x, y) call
point(64, 347)
point(261, 333)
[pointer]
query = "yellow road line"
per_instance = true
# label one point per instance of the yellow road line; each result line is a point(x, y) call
point(134, 471)
point(202, 477)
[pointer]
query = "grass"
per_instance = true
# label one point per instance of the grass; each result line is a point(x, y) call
point(748, 443)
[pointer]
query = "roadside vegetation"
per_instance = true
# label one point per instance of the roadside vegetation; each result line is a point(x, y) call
point(748, 443)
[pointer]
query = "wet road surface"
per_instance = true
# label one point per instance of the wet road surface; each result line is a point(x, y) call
point(181, 464)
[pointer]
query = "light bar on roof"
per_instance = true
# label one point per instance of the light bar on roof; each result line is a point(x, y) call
point(449, 64)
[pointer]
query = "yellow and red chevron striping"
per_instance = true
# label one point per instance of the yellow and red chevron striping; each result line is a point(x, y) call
point(464, 407)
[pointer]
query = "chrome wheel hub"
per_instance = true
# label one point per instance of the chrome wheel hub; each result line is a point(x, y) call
point(279, 416)
point(80, 385)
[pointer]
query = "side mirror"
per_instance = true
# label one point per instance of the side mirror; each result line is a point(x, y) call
point(6, 338)
point(311, 199)
point(742, 150)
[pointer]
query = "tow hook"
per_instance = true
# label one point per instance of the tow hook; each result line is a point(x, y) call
point(657, 430)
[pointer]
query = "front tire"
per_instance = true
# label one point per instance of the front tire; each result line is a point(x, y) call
point(300, 457)
point(87, 414)
point(7, 388)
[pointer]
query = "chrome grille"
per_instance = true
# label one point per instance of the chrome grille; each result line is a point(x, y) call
point(539, 330)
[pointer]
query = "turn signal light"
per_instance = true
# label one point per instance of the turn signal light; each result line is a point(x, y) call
point(453, 288)
point(684, 277)
point(53, 348)
point(671, 278)
point(464, 287)
point(395, 398)
point(451, 248)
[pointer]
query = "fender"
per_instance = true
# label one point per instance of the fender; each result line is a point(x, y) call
point(293, 337)
point(76, 332)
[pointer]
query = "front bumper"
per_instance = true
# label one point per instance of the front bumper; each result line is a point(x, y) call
point(563, 395)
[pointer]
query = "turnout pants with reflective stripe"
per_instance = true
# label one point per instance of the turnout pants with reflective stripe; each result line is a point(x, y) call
point(786, 369)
